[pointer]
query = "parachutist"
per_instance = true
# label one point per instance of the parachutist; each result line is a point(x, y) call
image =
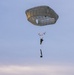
point(41, 53)
point(41, 16)
point(41, 40)
point(41, 37)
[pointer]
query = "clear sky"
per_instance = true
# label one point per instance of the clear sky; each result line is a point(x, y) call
point(19, 40)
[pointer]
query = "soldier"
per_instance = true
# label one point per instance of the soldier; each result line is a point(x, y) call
point(41, 40)
point(41, 37)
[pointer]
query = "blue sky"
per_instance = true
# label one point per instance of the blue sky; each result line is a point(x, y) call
point(19, 40)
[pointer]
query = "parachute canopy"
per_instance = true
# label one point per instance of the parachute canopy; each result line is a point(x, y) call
point(41, 15)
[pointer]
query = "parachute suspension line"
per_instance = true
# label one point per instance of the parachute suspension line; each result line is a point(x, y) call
point(41, 35)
